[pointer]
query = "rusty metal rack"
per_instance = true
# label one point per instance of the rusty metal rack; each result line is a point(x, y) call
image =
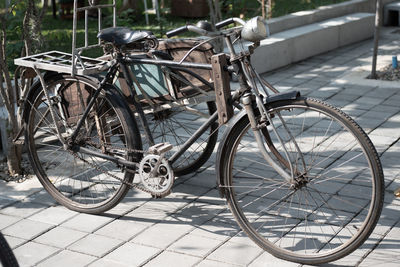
point(73, 63)
point(62, 62)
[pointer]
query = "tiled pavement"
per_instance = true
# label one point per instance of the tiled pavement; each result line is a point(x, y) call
point(187, 227)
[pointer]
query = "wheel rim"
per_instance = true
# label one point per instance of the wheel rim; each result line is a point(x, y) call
point(319, 218)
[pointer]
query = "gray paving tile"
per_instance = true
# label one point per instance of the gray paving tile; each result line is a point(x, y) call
point(19, 191)
point(163, 234)
point(53, 215)
point(6, 220)
point(216, 229)
point(195, 245)
point(132, 254)
point(213, 263)
point(387, 253)
point(95, 245)
point(27, 229)
point(5, 201)
point(60, 237)
point(86, 222)
point(171, 259)
point(121, 229)
point(267, 259)
point(32, 253)
point(107, 263)
point(235, 253)
point(23, 209)
point(67, 258)
point(14, 241)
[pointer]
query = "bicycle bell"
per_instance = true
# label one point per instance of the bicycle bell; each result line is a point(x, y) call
point(205, 25)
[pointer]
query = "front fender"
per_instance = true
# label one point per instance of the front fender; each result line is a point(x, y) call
point(242, 115)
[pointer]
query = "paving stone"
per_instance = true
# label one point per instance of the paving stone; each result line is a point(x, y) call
point(107, 263)
point(146, 214)
point(216, 229)
point(32, 253)
point(266, 259)
point(23, 209)
point(19, 191)
point(195, 245)
point(6, 220)
point(235, 253)
point(171, 259)
point(95, 245)
point(4, 201)
point(53, 215)
point(121, 229)
point(87, 222)
point(213, 263)
point(163, 234)
point(387, 253)
point(67, 259)
point(188, 191)
point(132, 254)
point(14, 242)
point(60, 237)
point(41, 197)
point(27, 229)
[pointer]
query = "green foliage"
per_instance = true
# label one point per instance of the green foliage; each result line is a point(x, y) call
point(14, 44)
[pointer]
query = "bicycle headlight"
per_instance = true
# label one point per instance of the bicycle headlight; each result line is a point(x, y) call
point(255, 30)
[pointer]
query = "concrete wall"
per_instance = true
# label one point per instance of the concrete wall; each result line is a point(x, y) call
point(322, 13)
point(299, 43)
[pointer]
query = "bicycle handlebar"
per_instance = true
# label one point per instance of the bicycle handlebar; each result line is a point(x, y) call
point(203, 32)
point(226, 22)
point(177, 31)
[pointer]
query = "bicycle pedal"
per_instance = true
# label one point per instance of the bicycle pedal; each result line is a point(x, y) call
point(160, 148)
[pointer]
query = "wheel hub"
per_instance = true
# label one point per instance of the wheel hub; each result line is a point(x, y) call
point(300, 182)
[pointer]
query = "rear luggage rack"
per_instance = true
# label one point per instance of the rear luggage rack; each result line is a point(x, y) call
point(62, 62)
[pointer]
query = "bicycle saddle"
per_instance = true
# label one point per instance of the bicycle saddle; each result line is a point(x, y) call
point(122, 35)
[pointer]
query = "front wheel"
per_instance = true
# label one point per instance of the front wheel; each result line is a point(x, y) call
point(335, 197)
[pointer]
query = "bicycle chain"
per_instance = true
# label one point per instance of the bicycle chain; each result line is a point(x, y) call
point(130, 184)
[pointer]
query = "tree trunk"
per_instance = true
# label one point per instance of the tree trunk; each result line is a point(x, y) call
point(33, 40)
point(216, 16)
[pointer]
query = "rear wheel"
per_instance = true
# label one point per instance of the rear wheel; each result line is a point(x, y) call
point(335, 197)
point(79, 181)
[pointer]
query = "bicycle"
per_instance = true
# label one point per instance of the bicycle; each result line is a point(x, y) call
point(301, 178)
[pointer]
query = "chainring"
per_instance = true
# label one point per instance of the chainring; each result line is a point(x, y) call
point(156, 175)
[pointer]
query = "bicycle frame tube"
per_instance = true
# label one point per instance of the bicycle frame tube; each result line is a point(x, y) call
point(109, 74)
point(193, 138)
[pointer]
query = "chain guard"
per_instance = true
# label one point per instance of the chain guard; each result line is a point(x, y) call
point(156, 175)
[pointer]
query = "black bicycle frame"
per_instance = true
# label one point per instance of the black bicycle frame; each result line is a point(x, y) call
point(123, 62)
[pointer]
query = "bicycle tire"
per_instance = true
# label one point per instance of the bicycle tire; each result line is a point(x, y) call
point(176, 125)
point(7, 257)
point(334, 203)
point(79, 181)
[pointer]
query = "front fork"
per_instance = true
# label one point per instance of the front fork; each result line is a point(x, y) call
point(247, 102)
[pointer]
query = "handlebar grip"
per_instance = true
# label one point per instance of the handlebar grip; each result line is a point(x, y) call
point(224, 23)
point(177, 31)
